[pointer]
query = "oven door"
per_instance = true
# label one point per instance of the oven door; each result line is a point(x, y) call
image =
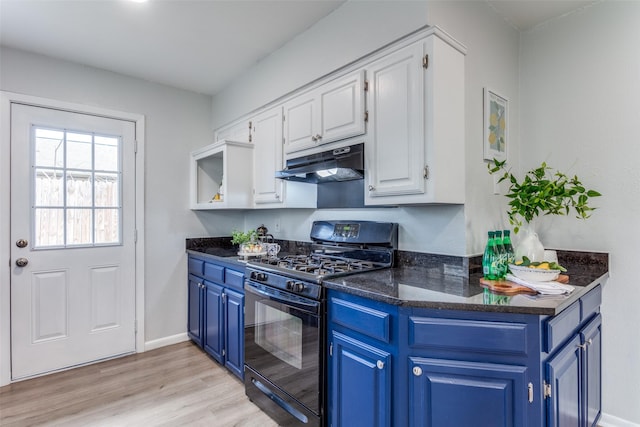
point(283, 341)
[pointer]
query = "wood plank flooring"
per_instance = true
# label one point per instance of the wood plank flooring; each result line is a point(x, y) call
point(177, 385)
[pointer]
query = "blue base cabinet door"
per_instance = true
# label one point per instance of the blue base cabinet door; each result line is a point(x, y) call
point(214, 321)
point(451, 393)
point(194, 316)
point(591, 336)
point(360, 384)
point(234, 316)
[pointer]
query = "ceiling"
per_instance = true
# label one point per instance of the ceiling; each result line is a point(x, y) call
point(198, 45)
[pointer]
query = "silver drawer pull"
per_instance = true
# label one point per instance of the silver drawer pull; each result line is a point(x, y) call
point(417, 371)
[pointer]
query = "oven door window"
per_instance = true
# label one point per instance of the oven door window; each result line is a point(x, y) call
point(279, 333)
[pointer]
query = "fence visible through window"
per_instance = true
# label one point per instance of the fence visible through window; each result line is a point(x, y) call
point(77, 185)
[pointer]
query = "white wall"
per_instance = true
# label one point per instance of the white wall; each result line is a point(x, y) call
point(177, 122)
point(580, 94)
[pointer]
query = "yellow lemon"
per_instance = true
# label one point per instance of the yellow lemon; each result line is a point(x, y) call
point(492, 138)
point(493, 119)
point(518, 262)
point(544, 266)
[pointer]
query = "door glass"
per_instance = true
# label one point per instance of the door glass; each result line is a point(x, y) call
point(77, 188)
point(279, 333)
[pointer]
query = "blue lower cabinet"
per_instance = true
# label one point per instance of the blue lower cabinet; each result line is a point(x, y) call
point(360, 386)
point(455, 393)
point(215, 319)
point(234, 343)
point(214, 324)
point(195, 309)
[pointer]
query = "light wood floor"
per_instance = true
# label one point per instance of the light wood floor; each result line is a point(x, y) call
point(172, 386)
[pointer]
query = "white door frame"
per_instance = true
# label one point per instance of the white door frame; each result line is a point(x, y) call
point(6, 99)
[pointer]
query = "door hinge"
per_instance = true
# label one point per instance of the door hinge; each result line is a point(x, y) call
point(530, 389)
point(250, 125)
point(283, 117)
point(366, 116)
point(547, 390)
point(331, 349)
point(366, 85)
point(426, 172)
point(425, 62)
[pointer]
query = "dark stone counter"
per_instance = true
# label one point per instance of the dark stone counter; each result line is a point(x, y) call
point(435, 281)
point(431, 287)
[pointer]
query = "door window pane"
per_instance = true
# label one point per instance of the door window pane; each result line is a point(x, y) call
point(107, 190)
point(49, 148)
point(79, 151)
point(79, 227)
point(49, 187)
point(77, 188)
point(106, 154)
point(107, 226)
point(49, 227)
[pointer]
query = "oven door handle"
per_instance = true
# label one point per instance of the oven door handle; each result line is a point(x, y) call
point(313, 305)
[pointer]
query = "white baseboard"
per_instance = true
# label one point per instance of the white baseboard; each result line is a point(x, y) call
point(610, 421)
point(161, 342)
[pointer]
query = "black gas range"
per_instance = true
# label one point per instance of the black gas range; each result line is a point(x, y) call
point(284, 315)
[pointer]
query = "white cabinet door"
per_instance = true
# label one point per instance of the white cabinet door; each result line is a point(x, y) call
point(416, 134)
point(267, 156)
point(342, 108)
point(396, 123)
point(301, 124)
point(329, 113)
point(239, 131)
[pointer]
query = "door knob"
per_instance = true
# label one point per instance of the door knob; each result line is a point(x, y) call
point(21, 243)
point(21, 262)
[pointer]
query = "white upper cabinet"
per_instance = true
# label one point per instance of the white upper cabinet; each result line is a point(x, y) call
point(331, 112)
point(415, 150)
point(221, 176)
point(238, 131)
point(267, 156)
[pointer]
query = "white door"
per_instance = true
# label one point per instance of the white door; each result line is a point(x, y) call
point(72, 239)
point(342, 108)
point(267, 139)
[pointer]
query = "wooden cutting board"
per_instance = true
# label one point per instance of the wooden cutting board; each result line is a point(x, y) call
point(505, 287)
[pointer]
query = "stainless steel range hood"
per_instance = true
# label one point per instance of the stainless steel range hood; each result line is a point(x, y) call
point(340, 164)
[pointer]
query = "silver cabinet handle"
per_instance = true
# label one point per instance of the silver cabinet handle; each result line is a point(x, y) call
point(417, 371)
point(314, 138)
point(318, 137)
point(21, 262)
point(380, 364)
point(372, 188)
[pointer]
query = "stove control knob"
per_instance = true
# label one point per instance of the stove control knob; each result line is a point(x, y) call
point(260, 277)
point(299, 287)
point(290, 285)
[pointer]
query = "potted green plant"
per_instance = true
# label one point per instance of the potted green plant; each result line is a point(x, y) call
point(247, 241)
point(542, 191)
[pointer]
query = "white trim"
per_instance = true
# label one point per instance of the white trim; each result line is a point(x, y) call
point(608, 420)
point(6, 99)
point(162, 342)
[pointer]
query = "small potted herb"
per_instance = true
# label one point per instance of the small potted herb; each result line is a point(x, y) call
point(542, 191)
point(247, 241)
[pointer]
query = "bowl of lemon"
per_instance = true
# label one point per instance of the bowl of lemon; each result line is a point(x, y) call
point(536, 271)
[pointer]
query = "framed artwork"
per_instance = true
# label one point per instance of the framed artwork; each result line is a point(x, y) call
point(496, 125)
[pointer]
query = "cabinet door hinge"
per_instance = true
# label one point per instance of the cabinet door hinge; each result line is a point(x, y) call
point(250, 125)
point(366, 85)
point(331, 349)
point(223, 352)
point(135, 146)
point(426, 172)
point(425, 62)
point(366, 116)
point(547, 390)
point(135, 236)
point(530, 390)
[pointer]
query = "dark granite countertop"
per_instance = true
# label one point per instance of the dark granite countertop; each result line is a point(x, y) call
point(434, 281)
point(428, 287)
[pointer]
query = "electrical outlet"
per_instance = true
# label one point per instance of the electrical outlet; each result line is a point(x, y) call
point(276, 225)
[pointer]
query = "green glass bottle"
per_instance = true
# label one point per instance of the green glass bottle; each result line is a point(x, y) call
point(500, 265)
point(489, 256)
point(508, 247)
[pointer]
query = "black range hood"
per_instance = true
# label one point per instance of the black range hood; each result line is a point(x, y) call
point(340, 164)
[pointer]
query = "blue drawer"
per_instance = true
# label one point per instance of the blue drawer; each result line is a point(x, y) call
point(590, 303)
point(368, 321)
point(560, 327)
point(214, 273)
point(196, 266)
point(234, 279)
point(468, 335)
